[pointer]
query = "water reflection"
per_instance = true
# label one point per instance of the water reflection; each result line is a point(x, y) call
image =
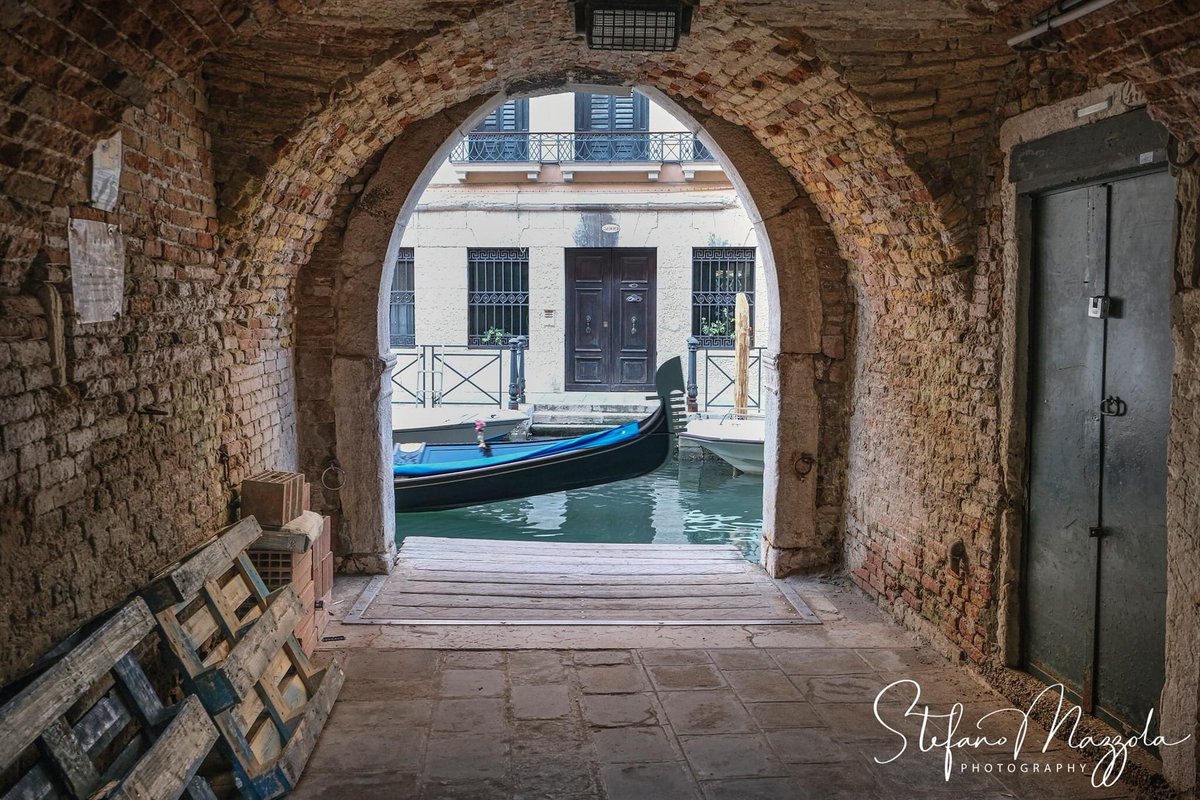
point(688, 501)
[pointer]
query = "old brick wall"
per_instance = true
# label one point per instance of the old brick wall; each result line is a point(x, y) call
point(925, 465)
point(95, 494)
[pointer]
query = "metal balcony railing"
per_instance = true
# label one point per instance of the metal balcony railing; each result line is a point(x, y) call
point(558, 148)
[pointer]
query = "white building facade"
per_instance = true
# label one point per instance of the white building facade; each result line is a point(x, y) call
point(595, 227)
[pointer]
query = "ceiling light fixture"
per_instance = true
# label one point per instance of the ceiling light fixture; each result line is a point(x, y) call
point(642, 25)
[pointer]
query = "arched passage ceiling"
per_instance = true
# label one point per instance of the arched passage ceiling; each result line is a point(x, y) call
point(889, 162)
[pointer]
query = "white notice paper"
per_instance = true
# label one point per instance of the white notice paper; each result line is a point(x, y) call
point(97, 269)
point(106, 173)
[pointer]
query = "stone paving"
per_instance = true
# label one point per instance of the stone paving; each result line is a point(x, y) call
point(657, 723)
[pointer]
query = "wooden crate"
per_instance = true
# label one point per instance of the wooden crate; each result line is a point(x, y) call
point(92, 726)
point(273, 498)
point(235, 644)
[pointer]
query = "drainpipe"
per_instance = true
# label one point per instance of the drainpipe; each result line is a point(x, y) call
point(1058, 20)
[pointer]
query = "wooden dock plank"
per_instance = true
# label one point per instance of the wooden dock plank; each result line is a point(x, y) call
point(475, 582)
point(399, 590)
point(539, 545)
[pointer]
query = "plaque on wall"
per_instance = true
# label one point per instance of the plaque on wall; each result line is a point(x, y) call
point(97, 269)
point(106, 173)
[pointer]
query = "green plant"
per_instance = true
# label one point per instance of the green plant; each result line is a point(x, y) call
point(722, 325)
point(495, 336)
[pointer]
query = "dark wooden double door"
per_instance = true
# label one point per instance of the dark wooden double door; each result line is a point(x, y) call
point(610, 319)
point(1101, 360)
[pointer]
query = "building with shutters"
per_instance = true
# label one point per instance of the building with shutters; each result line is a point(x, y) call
point(594, 219)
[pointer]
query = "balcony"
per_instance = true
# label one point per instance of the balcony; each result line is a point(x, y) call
point(576, 152)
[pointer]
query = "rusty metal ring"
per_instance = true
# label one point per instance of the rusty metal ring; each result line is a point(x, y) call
point(341, 477)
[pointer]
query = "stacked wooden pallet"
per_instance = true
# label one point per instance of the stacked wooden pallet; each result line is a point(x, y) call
point(234, 643)
point(297, 551)
point(92, 726)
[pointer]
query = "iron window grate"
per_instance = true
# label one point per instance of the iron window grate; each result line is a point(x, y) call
point(718, 274)
point(639, 25)
point(402, 319)
point(497, 295)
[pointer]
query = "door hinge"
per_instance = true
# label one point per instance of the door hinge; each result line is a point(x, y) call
point(1098, 306)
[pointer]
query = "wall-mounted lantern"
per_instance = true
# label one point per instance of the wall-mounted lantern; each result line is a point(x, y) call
point(644, 25)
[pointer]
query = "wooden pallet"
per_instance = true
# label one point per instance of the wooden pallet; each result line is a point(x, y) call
point(234, 643)
point(92, 726)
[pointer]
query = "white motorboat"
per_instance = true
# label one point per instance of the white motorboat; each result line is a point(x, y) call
point(738, 442)
point(449, 425)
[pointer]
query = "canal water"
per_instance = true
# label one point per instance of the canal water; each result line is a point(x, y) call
point(684, 501)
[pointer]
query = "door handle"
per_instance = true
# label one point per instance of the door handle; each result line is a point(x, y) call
point(587, 321)
point(1113, 406)
point(633, 326)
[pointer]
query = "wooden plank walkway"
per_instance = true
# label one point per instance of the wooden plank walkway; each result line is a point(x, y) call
point(441, 581)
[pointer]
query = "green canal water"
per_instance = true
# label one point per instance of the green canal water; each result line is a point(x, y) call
point(688, 501)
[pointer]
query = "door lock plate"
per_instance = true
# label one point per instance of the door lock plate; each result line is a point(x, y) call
point(1098, 306)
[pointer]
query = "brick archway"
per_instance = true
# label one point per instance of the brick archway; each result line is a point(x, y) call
point(342, 341)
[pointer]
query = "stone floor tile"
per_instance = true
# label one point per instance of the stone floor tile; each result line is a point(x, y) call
point(820, 661)
point(462, 758)
point(762, 685)
point(742, 658)
point(472, 683)
point(856, 722)
point(917, 774)
point(552, 767)
point(845, 780)
point(808, 746)
point(840, 688)
point(393, 785)
point(390, 675)
point(706, 712)
point(472, 715)
point(535, 666)
point(750, 789)
point(473, 659)
point(739, 755)
point(685, 677)
point(382, 666)
point(673, 657)
point(352, 750)
point(784, 715)
point(1050, 779)
point(597, 658)
point(380, 715)
point(902, 659)
point(464, 790)
point(619, 710)
point(545, 701)
point(632, 745)
point(618, 679)
point(647, 782)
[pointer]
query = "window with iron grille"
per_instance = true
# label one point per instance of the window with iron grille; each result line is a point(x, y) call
point(497, 294)
point(718, 274)
point(402, 318)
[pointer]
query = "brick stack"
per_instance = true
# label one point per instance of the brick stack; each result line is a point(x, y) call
point(296, 546)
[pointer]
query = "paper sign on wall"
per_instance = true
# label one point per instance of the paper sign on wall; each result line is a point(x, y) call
point(106, 173)
point(97, 269)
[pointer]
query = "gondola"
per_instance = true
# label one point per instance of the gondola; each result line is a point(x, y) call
point(432, 477)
